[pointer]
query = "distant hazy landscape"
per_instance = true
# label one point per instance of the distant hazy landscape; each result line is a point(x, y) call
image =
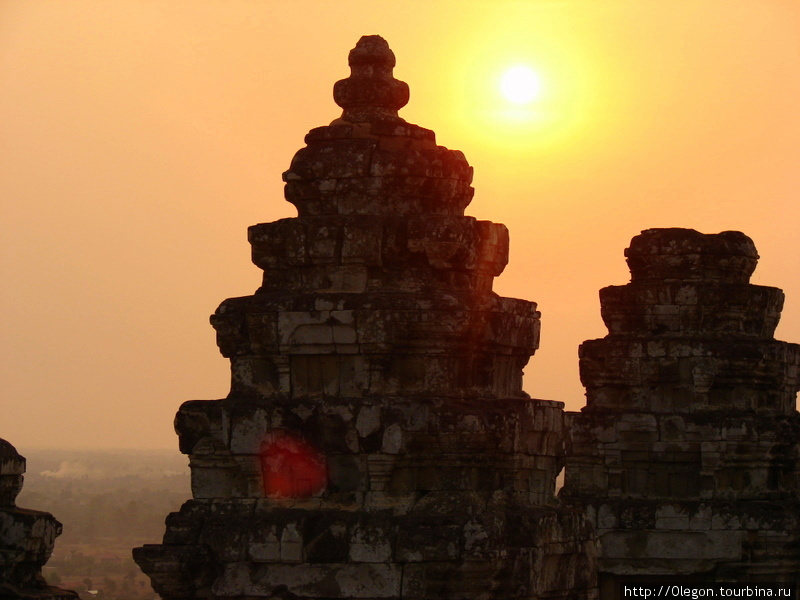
point(108, 503)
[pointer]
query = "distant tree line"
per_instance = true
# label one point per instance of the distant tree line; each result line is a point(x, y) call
point(127, 510)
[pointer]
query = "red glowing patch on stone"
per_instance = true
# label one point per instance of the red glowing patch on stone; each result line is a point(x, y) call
point(291, 467)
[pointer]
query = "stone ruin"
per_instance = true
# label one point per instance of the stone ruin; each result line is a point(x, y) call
point(687, 454)
point(376, 441)
point(377, 444)
point(26, 537)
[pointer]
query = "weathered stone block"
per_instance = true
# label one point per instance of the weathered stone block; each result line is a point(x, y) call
point(371, 542)
point(425, 542)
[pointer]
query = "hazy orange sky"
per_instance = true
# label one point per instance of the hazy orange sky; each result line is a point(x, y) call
point(141, 138)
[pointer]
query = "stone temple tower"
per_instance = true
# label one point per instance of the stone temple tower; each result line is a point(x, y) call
point(27, 537)
point(687, 454)
point(376, 441)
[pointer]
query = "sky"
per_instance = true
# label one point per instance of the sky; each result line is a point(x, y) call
point(140, 139)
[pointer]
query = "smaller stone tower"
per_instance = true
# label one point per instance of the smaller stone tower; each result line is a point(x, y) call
point(687, 453)
point(26, 537)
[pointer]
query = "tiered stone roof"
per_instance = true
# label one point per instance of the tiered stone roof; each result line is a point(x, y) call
point(376, 442)
point(687, 454)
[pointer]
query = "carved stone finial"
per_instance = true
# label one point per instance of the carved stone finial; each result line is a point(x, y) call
point(370, 161)
point(371, 92)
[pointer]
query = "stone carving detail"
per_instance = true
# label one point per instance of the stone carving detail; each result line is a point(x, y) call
point(26, 537)
point(376, 442)
point(686, 456)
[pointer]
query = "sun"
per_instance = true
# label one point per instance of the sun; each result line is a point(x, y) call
point(520, 85)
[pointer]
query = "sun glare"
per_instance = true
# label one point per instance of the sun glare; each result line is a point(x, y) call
point(520, 85)
point(517, 93)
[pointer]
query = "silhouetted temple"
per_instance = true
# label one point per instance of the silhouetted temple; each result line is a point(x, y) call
point(686, 455)
point(26, 537)
point(376, 441)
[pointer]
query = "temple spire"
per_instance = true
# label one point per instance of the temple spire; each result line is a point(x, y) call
point(376, 441)
point(371, 92)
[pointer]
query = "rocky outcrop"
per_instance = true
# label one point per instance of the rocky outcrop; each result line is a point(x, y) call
point(687, 454)
point(26, 537)
point(376, 442)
